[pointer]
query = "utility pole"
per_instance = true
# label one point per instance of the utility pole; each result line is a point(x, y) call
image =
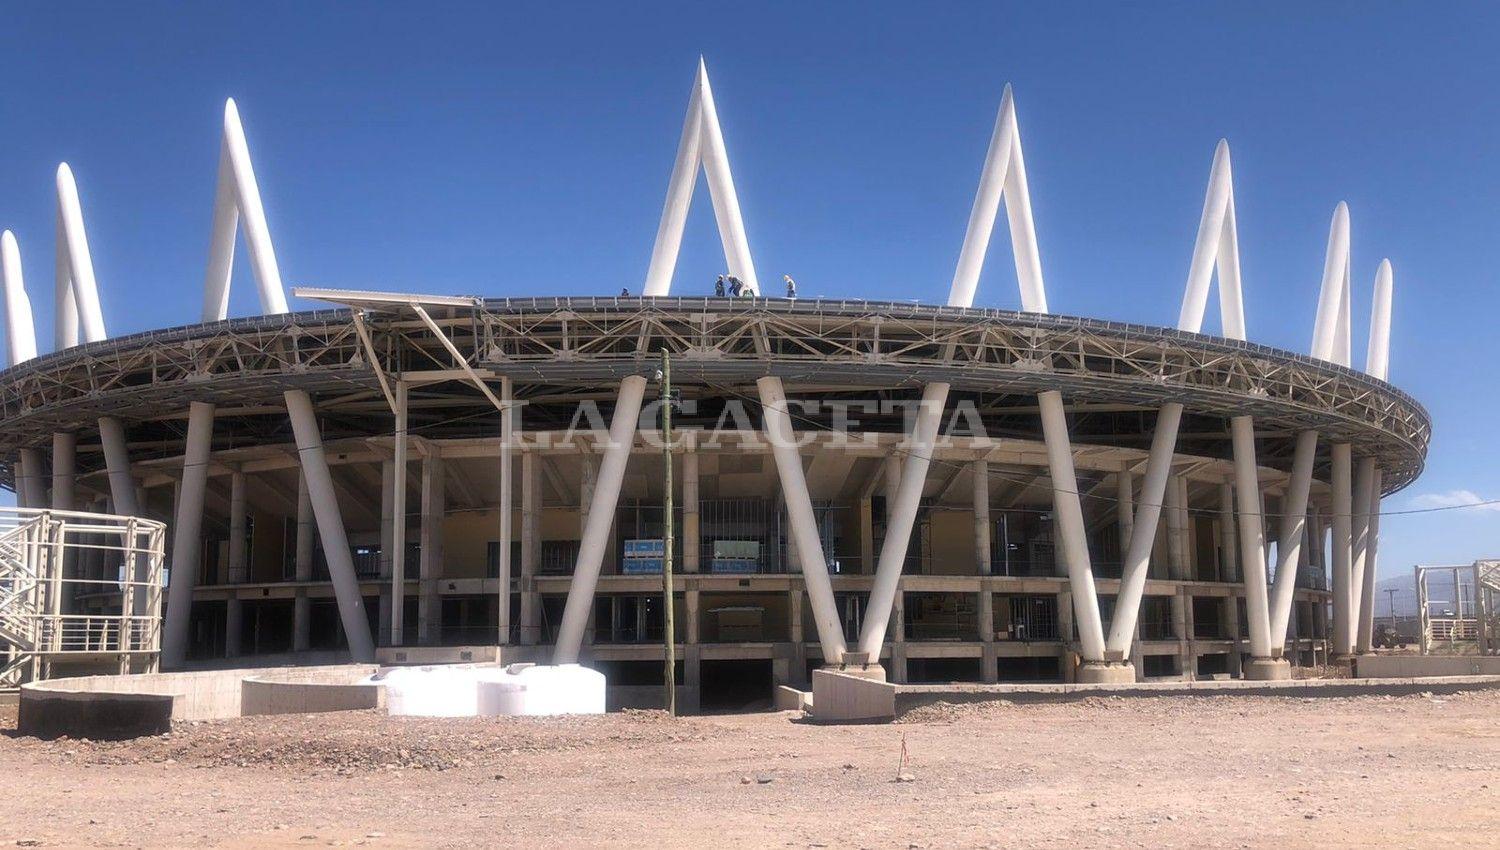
point(666, 563)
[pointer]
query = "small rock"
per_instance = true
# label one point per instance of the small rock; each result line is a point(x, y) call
point(906, 777)
point(765, 779)
point(744, 780)
point(374, 835)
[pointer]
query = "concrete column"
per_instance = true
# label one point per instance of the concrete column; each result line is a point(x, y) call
point(986, 615)
point(31, 490)
point(1065, 629)
point(898, 639)
point(330, 525)
point(794, 599)
point(1253, 553)
point(692, 548)
point(508, 424)
point(1125, 507)
point(1365, 633)
point(1291, 550)
point(1364, 474)
point(239, 565)
point(1229, 531)
point(1172, 498)
point(588, 479)
point(1343, 634)
point(981, 471)
point(434, 504)
point(187, 534)
point(1185, 531)
point(64, 458)
point(1068, 518)
point(1232, 631)
point(387, 560)
point(399, 507)
point(890, 483)
point(1182, 623)
point(234, 624)
point(303, 568)
point(531, 551)
point(690, 605)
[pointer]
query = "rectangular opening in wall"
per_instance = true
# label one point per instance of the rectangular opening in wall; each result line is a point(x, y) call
point(1213, 664)
point(1208, 618)
point(941, 616)
point(1046, 669)
point(1155, 622)
point(731, 686)
point(1026, 617)
point(1160, 666)
point(938, 670)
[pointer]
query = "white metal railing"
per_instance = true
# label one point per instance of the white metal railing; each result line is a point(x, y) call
point(78, 586)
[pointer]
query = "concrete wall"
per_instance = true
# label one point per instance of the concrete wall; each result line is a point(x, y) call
point(303, 692)
point(1418, 666)
point(140, 704)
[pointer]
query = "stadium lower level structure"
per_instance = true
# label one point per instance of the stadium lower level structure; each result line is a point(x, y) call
point(471, 534)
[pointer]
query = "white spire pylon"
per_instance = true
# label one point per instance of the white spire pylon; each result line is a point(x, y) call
point(77, 291)
point(1218, 246)
point(702, 144)
point(1331, 327)
point(236, 199)
point(1377, 356)
point(20, 337)
point(1004, 175)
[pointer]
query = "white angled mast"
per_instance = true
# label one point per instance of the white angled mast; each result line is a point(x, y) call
point(237, 201)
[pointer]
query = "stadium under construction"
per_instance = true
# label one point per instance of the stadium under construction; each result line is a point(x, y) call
point(952, 493)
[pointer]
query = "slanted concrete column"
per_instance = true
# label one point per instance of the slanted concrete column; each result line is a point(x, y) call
point(1125, 507)
point(429, 604)
point(531, 550)
point(187, 539)
point(239, 564)
point(891, 483)
point(691, 540)
point(866, 536)
point(330, 525)
point(588, 478)
point(303, 566)
point(981, 471)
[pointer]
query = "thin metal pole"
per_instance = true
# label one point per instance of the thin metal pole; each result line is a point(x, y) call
point(666, 564)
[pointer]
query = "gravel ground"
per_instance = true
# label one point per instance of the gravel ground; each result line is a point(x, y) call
point(1223, 771)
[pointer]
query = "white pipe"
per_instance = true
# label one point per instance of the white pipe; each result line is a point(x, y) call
point(901, 517)
point(674, 212)
point(1137, 562)
point(804, 527)
point(1366, 631)
point(1342, 497)
point(122, 493)
point(330, 525)
point(1293, 530)
point(1068, 514)
point(20, 337)
point(1333, 291)
point(80, 264)
point(622, 429)
point(187, 538)
point(1217, 245)
point(1377, 357)
point(253, 214)
point(1252, 535)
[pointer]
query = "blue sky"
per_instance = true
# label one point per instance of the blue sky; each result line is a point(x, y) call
point(524, 149)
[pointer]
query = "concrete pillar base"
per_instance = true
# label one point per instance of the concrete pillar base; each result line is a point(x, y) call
point(1267, 669)
point(874, 672)
point(1105, 673)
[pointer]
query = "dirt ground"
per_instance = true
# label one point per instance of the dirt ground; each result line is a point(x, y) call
point(1417, 771)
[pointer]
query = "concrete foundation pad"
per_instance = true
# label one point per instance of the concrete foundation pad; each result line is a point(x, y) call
point(1267, 669)
point(1106, 673)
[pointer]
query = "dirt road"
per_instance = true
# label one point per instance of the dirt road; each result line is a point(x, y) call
point(1211, 771)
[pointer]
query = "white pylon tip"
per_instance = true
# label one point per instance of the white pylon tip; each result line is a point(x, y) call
point(64, 174)
point(7, 238)
point(1341, 212)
